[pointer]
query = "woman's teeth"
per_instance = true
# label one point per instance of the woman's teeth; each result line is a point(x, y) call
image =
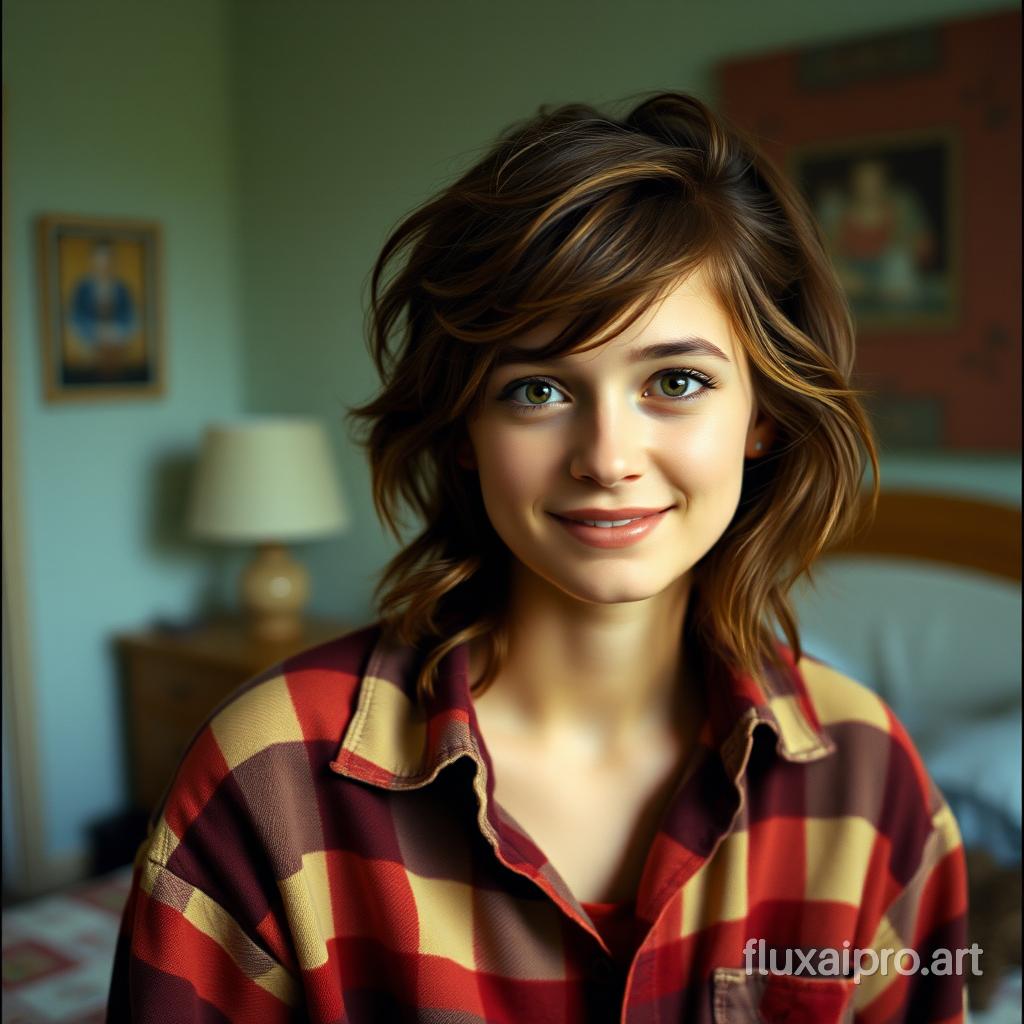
point(605, 523)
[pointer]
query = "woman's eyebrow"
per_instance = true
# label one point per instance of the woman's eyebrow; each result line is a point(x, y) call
point(649, 353)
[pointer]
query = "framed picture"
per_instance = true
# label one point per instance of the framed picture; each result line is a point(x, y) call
point(101, 308)
point(906, 146)
point(888, 210)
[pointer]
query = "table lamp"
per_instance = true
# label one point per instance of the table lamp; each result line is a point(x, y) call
point(268, 480)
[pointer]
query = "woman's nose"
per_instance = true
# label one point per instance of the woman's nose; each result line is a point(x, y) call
point(608, 444)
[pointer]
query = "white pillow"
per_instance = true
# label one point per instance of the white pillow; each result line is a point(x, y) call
point(939, 644)
point(976, 764)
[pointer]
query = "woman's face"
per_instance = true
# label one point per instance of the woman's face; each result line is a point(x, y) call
point(620, 428)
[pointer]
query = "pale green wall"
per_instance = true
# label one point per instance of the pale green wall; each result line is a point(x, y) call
point(350, 114)
point(278, 143)
point(120, 109)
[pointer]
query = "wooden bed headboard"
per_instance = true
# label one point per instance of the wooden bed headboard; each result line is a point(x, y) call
point(966, 532)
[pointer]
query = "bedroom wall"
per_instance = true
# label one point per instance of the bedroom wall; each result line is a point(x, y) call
point(349, 115)
point(115, 108)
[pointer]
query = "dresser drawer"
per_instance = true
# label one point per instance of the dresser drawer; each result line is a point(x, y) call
point(158, 747)
point(173, 680)
point(178, 691)
point(168, 700)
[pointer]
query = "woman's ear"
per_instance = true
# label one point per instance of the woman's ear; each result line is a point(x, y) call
point(760, 437)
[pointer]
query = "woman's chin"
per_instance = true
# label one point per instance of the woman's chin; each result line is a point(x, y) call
point(604, 586)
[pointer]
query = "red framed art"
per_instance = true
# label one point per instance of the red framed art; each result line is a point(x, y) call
point(907, 147)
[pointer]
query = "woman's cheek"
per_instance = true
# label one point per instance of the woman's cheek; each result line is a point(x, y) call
point(706, 449)
point(509, 468)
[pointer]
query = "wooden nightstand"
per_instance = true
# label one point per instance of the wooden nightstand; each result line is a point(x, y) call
point(174, 679)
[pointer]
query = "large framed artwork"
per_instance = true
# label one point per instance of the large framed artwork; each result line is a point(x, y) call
point(907, 149)
point(100, 306)
point(887, 206)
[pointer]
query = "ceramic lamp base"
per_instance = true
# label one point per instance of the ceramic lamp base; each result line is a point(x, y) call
point(274, 592)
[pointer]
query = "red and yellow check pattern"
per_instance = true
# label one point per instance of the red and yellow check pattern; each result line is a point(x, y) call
point(331, 851)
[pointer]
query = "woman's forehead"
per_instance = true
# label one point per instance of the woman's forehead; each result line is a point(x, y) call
point(687, 319)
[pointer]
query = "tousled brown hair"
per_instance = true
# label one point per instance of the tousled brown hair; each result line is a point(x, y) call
point(577, 216)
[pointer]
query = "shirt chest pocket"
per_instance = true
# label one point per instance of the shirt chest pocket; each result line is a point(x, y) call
point(741, 998)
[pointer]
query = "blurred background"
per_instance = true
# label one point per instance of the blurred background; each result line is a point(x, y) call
point(194, 194)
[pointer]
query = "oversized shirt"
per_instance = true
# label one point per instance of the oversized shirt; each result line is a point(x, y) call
point(331, 851)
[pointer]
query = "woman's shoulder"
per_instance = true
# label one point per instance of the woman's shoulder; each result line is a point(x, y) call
point(310, 694)
point(873, 747)
point(858, 720)
point(838, 698)
point(258, 749)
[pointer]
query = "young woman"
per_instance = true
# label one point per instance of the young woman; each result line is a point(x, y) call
point(572, 774)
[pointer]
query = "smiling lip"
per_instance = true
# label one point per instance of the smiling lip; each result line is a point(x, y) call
point(646, 520)
point(608, 514)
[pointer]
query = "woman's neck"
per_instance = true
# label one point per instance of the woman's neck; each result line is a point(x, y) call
point(595, 678)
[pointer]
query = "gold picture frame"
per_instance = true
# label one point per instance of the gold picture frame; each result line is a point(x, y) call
point(101, 308)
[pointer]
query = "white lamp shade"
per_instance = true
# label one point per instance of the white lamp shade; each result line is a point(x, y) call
point(266, 479)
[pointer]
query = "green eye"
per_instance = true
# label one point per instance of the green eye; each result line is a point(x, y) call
point(684, 384)
point(675, 385)
point(537, 392)
point(534, 394)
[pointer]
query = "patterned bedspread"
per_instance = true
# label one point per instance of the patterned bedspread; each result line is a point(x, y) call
point(58, 952)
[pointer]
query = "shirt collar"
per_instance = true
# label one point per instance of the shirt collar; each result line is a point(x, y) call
point(395, 741)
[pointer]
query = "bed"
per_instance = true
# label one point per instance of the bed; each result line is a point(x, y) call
point(924, 606)
point(58, 952)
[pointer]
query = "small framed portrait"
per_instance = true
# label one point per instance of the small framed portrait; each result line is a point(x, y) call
point(886, 206)
point(101, 329)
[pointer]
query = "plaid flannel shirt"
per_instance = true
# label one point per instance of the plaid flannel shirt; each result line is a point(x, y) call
point(331, 851)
